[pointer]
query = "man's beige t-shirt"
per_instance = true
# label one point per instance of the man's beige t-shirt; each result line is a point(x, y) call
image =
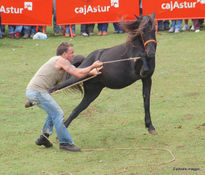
point(46, 77)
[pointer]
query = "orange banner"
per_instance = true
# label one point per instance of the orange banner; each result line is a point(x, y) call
point(26, 12)
point(95, 11)
point(175, 9)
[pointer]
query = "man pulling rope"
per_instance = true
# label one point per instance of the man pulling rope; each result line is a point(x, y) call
point(37, 92)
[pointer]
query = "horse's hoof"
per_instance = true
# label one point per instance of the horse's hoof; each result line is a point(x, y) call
point(153, 132)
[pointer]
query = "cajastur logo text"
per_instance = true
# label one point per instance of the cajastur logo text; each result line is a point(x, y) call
point(172, 5)
point(97, 9)
point(16, 10)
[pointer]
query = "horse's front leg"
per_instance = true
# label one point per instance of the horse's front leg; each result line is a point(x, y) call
point(147, 83)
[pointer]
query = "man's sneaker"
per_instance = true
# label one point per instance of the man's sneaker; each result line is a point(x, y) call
point(57, 34)
point(31, 36)
point(69, 147)
point(185, 28)
point(100, 33)
point(104, 33)
point(26, 36)
point(28, 104)
point(171, 30)
point(192, 28)
point(197, 30)
point(84, 34)
point(67, 35)
point(43, 140)
point(177, 31)
point(17, 36)
point(11, 36)
point(91, 33)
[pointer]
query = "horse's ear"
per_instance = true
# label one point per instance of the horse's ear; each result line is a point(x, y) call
point(153, 14)
point(137, 17)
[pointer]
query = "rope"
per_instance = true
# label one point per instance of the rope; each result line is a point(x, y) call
point(79, 82)
point(127, 59)
point(106, 62)
point(141, 148)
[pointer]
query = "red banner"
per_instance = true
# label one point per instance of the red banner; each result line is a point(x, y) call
point(95, 11)
point(175, 9)
point(26, 12)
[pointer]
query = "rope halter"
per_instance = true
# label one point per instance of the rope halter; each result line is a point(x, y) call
point(149, 41)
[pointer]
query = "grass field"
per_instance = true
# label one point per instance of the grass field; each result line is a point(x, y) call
point(115, 119)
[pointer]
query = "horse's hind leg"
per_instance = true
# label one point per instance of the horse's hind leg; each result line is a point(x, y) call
point(147, 83)
point(91, 92)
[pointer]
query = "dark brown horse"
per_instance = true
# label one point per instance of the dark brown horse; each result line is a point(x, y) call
point(141, 43)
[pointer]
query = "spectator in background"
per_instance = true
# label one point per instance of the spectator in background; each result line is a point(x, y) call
point(186, 26)
point(102, 29)
point(140, 2)
point(29, 31)
point(90, 29)
point(56, 29)
point(196, 25)
point(67, 31)
point(163, 25)
point(175, 26)
point(201, 21)
point(117, 28)
point(2, 29)
point(83, 30)
point(15, 31)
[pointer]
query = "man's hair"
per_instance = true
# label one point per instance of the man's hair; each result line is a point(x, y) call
point(63, 47)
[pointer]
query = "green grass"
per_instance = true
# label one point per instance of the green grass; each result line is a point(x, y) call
point(115, 119)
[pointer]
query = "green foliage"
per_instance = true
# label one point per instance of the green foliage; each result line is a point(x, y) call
point(115, 119)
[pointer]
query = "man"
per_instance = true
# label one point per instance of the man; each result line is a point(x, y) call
point(37, 92)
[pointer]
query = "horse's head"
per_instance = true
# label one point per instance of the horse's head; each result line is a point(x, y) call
point(147, 33)
point(143, 29)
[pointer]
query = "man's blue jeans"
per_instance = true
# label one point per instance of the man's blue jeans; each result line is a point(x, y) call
point(29, 30)
point(15, 29)
point(176, 24)
point(55, 114)
point(102, 27)
point(67, 29)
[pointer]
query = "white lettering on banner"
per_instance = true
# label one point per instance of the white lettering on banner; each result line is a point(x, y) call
point(181, 5)
point(97, 9)
point(11, 9)
point(84, 10)
point(17, 10)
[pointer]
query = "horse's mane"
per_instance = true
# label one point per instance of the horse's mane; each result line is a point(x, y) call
point(135, 28)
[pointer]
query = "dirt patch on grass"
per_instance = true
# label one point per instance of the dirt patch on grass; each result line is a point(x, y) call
point(202, 126)
point(192, 94)
point(189, 116)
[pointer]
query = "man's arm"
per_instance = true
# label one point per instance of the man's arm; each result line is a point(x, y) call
point(79, 72)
